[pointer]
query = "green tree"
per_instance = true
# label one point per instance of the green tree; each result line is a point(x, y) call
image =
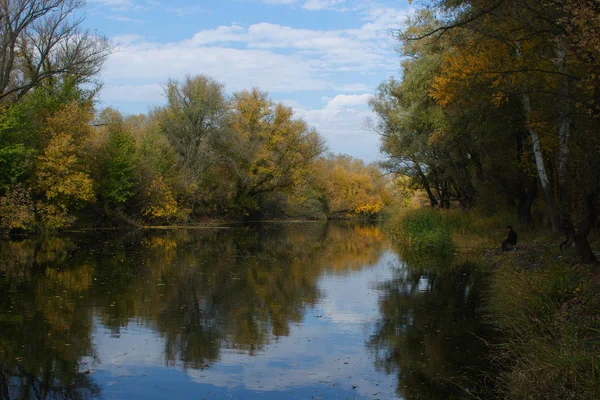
point(195, 123)
point(118, 163)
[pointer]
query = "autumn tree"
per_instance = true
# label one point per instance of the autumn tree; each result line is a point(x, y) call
point(270, 149)
point(117, 180)
point(528, 51)
point(61, 178)
point(417, 138)
point(348, 186)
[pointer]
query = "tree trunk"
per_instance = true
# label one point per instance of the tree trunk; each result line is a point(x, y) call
point(539, 162)
point(584, 250)
point(527, 196)
point(445, 195)
point(564, 125)
point(590, 214)
point(537, 151)
point(527, 188)
point(425, 182)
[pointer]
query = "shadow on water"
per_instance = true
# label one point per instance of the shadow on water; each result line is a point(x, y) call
point(433, 333)
point(206, 292)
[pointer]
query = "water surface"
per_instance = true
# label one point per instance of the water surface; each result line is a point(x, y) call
point(270, 311)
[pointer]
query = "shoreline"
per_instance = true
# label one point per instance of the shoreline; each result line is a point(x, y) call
point(545, 304)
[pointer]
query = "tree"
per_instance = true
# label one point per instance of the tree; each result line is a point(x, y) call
point(195, 121)
point(41, 40)
point(349, 187)
point(270, 150)
point(417, 137)
point(61, 179)
point(118, 162)
point(542, 54)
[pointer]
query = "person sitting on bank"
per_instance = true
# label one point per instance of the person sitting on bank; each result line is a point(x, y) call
point(511, 238)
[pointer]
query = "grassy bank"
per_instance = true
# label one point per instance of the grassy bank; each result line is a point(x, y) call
point(545, 304)
point(548, 307)
point(441, 233)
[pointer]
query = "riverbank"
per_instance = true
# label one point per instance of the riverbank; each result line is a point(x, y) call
point(545, 304)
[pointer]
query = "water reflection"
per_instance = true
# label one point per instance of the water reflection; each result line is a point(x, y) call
point(431, 331)
point(283, 309)
point(45, 323)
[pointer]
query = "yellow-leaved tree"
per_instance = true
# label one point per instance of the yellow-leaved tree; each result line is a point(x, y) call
point(62, 179)
point(271, 149)
point(160, 204)
point(351, 187)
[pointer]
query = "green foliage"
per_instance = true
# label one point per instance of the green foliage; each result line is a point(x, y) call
point(202, 154)
point(153, 151)
point(118, 180)
point(426, 231)
point(15, 164)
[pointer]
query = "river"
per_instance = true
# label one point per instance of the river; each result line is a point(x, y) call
point(263, 311)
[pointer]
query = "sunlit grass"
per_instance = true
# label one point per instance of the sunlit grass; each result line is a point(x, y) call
point(441, 232)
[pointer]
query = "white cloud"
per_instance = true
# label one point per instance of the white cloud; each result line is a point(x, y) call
point(357, 50)
point(184, 11)
point(343, 100)
point(152, 92)
point(279, 1)
point(144, 63)
point(277, 58)
point(126, 39)
point(122, 18)
point(274, 57)
point(341, 121)
point(113, 3)
point(222, 34)
point(315, 5)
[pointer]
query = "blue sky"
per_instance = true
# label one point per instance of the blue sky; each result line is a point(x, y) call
point(324, 58)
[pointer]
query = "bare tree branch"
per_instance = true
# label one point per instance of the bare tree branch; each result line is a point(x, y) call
point(41, 40)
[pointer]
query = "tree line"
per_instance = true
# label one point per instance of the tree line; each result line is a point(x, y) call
point(499, 106)
point(205, 153)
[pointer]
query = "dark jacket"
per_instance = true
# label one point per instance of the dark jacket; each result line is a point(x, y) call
point(512, 237)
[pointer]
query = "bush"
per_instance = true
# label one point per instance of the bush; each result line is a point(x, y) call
point(16, 210)
point(425, 231)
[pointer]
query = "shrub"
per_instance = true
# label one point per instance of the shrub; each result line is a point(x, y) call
point(425, 231)
point(16, 210)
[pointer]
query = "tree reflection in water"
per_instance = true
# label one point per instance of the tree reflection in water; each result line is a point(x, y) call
point(201, 290)
point(45, 323)
point(430, 329)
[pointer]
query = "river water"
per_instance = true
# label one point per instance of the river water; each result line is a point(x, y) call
point(266, 311)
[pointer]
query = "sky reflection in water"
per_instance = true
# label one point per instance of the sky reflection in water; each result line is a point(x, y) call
point(269, 311)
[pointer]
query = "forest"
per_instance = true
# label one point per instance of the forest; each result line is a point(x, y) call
point(206, 153)
point(498, 108)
